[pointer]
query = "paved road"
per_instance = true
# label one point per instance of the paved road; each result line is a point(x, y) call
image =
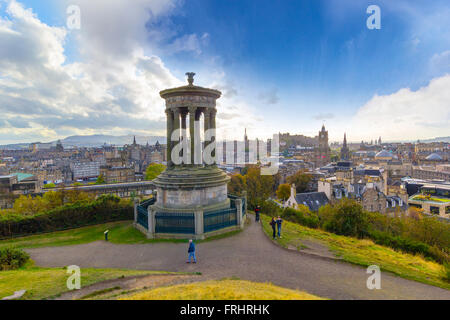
point(249, 255)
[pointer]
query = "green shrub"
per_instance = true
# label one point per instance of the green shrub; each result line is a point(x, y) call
point(12, 259)
point(270, 208)
point(346, 218)
point(408, 245)
point(447, 271)
point(106, 208)
point(301, 216)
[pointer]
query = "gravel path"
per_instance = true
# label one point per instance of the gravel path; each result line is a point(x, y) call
point(249, 255)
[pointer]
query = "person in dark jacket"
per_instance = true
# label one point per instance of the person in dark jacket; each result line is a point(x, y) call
point(273, 224)
point(257, 213)
point(279, 222)
point(191, 252)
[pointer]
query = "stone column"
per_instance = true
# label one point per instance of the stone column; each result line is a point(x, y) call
point(169, 136)
point(192, 118)
point(213, 126)
point(151, 223)
point(198, 136)
point(136, 203)
point(176, 124)
point(207, 116)
point(239, 217)
point(198, 216)
point(184, 138)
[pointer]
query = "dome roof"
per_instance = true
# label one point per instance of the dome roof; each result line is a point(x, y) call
point(384, 154)
point(434, 157)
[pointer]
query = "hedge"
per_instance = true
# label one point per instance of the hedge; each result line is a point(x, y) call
point(309, 220)
point(408, 245)
point(80, 214)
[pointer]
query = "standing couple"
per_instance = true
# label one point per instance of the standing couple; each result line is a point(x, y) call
point(276, 224)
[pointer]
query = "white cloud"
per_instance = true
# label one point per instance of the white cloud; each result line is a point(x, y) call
point(113, 84)
point(113, 89)
point(407, 114)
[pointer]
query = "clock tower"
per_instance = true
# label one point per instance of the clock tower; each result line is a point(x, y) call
point(323, 150)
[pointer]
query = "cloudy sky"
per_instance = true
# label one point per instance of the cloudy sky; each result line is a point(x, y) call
point(282, 65)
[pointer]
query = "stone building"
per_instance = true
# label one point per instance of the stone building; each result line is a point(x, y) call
point(313, 200)
point(117, 174)
point(433, 199)
point(14, 185)
point(322, 153)
point(345, 151)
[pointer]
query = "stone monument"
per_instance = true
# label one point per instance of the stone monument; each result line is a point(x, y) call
point(192, 185)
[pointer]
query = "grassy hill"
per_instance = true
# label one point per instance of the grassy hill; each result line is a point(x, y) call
point(222, 290)
point(363, 252)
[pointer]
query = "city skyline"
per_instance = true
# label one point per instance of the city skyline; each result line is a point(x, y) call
point(280, 68)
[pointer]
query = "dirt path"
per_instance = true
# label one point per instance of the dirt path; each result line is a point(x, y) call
point(249, 255)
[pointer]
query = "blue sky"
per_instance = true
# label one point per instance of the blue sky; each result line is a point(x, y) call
point(297, 63)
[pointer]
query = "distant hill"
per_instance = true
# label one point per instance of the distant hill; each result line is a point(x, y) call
point(440, 139)
point(97, 140)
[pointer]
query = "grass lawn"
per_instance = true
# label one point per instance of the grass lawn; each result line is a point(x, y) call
point(222, 290)
point(119, 233)
point(363, 252)
point(41, 283)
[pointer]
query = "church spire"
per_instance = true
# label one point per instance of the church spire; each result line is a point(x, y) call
point(134, 141)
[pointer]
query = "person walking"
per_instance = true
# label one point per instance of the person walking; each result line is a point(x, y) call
point(279, 222)
point(257, 212)
point(191, 252)
point(273, 224)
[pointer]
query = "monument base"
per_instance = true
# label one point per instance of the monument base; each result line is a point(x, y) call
point(185, 189)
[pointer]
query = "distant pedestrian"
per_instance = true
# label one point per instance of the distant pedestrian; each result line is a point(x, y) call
point(273, 224)
point(279, 222)
point(191, 252)
point(257, 213)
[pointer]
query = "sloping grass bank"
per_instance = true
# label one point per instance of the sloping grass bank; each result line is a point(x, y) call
point(42, 283)
point(119, 233)
point(363, 252)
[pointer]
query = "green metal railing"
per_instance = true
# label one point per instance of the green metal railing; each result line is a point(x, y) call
point(142, 212)
point(175, 222)
point(220, 219)
point(142, 217)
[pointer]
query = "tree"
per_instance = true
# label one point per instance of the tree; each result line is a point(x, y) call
point(284, 192)
point(49, 186)
point(154, 170)
point(28, 205)
point(53, 199)
point(100, 180)
point(301, 179)
point(75, 195)
point(346, 218)
point(259, 187)
point(237, 185)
